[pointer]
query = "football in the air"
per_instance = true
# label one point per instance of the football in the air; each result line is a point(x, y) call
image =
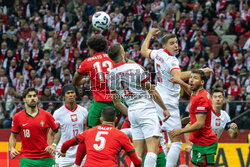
point(101, 20)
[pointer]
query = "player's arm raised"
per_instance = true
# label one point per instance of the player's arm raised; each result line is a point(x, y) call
point(12, 145)
point(145, 52)
point(116, 98)
point(233, 130)
point(185, 75)
point(185, 86)
point(156, 97)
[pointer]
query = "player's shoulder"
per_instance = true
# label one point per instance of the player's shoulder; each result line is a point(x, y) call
point(20, 114)
point(82, 109)
point(224, 114)
point(204, 95)
point(44, 112)
point(60, 110)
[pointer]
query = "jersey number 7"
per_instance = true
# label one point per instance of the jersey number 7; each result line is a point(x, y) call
point(102, 140)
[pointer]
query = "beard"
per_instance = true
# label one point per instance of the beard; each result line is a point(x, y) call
point(32, 104)
point(195, 87)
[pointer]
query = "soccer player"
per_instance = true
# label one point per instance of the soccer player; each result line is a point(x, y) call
point(71, 117)
point(96, 66)
point(103, 142)
point(200, 109)
point(166, 66)
point(220, 119)
point(130, 82)
point(33, 124)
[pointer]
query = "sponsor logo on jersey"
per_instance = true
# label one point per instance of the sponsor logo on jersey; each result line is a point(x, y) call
point(201, 108)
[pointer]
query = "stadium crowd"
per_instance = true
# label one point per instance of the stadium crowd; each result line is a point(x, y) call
point(44, 42)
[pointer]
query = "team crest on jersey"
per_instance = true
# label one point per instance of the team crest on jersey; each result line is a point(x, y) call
point(42, 123)
point(217, 122)
point(73, 117)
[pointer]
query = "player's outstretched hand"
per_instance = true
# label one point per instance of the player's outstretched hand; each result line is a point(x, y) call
point(154, 31)
point(14, 153)
point(208, 71)
point(176, 132)
point(51, 149)
point(166, 114)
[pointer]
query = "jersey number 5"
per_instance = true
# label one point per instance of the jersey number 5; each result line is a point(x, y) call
point(98, 66)
point(102, 140)
point(159, 77)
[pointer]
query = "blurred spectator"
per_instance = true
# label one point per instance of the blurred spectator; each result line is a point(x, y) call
point(47, 97)
point(86, 102)
point(233, 89)
point(221, 25)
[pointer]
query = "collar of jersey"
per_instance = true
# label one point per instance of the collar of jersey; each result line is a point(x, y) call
point(31, 115)
point(215, 113)
point(70, 109)
point(166, 51)
point(198, 92)
point(119, 64)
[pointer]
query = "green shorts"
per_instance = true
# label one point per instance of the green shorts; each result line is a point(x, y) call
point(95, 112)
point(161, 160)
point(204, 155)
point(42, 162)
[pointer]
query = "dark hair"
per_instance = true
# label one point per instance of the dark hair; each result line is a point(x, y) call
point(68, 87)
point(216, 90)
point(201, 73)
point(164, 37)
point(108, 114)
point(114, 51)
point(97, 43)
point(30, 89)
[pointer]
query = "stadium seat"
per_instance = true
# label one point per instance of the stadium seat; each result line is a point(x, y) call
point(212, 39)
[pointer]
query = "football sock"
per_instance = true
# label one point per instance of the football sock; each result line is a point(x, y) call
point(173, 154)
point(150, 160)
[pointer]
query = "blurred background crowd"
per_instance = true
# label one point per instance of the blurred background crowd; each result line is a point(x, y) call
point(43, 42)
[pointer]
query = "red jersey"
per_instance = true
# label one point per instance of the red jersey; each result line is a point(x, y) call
point(103, 142)
point(97, 67)
point(33, 131)
point(202, 104)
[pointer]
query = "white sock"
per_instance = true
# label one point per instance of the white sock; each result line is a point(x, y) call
point(150, 160)
point(173, 154)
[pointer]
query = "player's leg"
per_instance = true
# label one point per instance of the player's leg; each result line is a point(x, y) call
point(139, 146)
point(176, 144)
point(151, 130)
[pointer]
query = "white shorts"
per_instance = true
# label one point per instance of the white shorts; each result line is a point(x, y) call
point(174, 121)
point(66, 161)
point(144, 123)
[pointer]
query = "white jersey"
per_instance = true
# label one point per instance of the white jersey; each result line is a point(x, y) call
point(218, 122)
point(164, 63)
point(71, 124)
point(126, 79)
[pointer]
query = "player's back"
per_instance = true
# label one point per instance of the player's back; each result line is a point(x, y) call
point(126, 79)
point(103, 142)
point(164, 63)
point(97, 67)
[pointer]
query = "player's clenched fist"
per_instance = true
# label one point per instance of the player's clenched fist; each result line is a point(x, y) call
point(154, 31)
